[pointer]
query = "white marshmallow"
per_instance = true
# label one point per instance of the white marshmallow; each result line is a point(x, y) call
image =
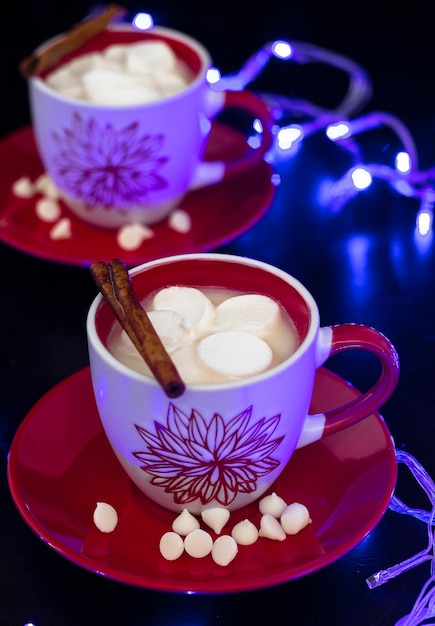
point(116, 52)
point(81, 64)
point(108, 87)
point(187, 364)
point(252, 313)
point(155, 54)
point(62, 78)
point(172, 329)
point(235, 353)
point(189, 302)
point(170, 83)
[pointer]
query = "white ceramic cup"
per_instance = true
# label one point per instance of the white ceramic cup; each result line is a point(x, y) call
point(115, 164)
point(225, 444)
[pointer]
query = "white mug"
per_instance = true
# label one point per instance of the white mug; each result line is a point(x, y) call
point(224, 444)
point(121, 163)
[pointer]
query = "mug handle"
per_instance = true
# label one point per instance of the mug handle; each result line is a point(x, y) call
point(210, 172)
point(335, 339)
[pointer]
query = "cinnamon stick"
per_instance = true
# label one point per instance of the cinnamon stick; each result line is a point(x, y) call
point(40, 61)
point(114, 283)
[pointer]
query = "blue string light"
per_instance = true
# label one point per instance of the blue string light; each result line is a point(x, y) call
point(340, 126)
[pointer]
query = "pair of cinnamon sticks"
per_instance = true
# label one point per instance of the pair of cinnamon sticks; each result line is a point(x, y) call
point(79, 34)
point(114, 283)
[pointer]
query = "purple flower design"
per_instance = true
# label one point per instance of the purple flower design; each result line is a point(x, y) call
point(109, 167)
point(195, 459)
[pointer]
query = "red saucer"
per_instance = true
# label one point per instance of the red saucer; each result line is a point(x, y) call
point(218, 213)
point(60, 465)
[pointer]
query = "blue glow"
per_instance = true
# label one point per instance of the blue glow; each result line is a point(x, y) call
point(258, 126)
point(282, 49)
point(142, 21)
point(423, 243)
point(213, 75)
point(403, 162)
point(204, 123)
point(289, 136)
point(357, 248)
point(361, 178)
point(254, 142)
point(424, 222)
point(275, 179)
point(403, 187)
point(338, 131)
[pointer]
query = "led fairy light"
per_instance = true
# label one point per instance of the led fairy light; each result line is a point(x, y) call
point(289, 136)
point(339, 124)
point(403, 176)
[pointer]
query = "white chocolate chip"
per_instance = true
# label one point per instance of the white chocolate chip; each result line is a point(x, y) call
point(198, 543)
point(245, 533)
point(105, 517)
point(180, 221)
point(47, 209)
point(171, 546)
point(271, 528)
point(294, 518)
point(216, 518)
point(272, 504)
point(46, 186)
point(185, 523)
point(131, 236)
point(224, 550)
point(61, 230)
point(23, 187)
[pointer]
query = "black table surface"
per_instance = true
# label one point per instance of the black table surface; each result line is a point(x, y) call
point(44, 304)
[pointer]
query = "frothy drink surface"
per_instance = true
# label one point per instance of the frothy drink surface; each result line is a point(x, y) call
point(213, 335)
point(122, 74)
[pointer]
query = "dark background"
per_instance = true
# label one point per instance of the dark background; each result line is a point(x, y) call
point(43, 305)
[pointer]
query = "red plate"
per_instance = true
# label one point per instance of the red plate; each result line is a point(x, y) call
point(218, 213)
point(60, 465)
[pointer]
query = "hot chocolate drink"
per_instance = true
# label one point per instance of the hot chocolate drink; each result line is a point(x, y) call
point(123, 74)
point(213, 335)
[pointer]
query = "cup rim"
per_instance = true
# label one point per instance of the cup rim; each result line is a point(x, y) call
point(313, 328)
point(39, 82)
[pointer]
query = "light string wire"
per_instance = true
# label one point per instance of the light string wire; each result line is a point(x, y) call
point(340, 126)
point(424, 607)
